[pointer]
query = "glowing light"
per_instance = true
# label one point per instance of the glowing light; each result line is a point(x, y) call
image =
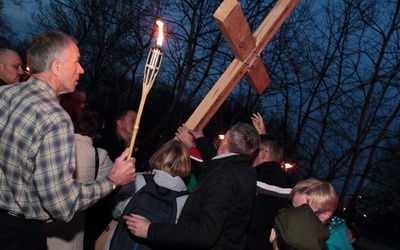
point(160, 38)
point(287, 166)
point(221, 137)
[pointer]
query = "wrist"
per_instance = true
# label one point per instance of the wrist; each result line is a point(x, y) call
point(114, 184)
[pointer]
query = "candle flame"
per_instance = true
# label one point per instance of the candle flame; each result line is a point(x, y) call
point(160, 33)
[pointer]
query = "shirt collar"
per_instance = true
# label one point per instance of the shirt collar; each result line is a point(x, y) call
point(224, 155)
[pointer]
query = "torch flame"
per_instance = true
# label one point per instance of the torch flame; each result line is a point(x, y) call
point(160, 33)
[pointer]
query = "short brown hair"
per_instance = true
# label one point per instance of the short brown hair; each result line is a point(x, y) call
point(173, 157)
point(89, 122)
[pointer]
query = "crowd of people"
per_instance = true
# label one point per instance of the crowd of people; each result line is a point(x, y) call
point(63, 183)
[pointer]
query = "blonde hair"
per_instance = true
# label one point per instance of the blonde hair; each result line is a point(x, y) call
point(320, 195)
point(173, 157)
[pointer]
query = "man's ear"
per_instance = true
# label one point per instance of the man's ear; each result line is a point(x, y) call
point(224, 143)
point(223, 146)
point(118, 123)
point(55, 67)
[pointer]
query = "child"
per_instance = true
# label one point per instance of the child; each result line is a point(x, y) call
point(298, 228)
point(170, 165)
point(322, 198)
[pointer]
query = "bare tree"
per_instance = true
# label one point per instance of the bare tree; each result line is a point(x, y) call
point(5, 28)
point(338, 74)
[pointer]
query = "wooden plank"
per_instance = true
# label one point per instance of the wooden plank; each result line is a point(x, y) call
point(257, 76)
point(217, 95)
point(236, 30)
point(273, 22)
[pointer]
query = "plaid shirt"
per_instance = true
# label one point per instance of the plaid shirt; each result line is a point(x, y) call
point(37, 156)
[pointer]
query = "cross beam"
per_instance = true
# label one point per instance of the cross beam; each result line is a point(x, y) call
point(246, 49)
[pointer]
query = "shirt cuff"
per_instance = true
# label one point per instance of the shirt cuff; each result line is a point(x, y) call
point(113, 184)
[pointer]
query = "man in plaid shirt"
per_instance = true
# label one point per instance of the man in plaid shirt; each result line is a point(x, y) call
point(37, 153)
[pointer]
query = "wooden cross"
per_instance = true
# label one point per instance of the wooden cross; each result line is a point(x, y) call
point(246, 48)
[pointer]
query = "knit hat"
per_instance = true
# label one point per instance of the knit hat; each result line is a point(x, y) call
point(300, 228)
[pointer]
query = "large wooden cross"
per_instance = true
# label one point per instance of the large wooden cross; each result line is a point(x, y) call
point(246, 48)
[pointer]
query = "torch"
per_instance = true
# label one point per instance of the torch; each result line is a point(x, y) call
point(152, 67)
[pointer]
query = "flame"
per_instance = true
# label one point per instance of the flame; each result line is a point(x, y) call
point(287, 165)
point(160, 32)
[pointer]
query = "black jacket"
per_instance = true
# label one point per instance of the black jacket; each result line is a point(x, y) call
point(217, 212)
point(112, 144)
point(266, 206)
point(115, 146)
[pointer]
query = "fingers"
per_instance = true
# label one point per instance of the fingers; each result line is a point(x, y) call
point(138, 225)
point(138, 216)
point(123, 171)
point(183, 135)
point(123, 155)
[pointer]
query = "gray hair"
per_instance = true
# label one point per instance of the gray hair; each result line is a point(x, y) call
point(243, 139)
point(45, 48)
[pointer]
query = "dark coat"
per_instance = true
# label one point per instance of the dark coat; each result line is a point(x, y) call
point(266, 206)
point(112, 144)
point(206, 148)
point(115, 146)
point(217, 212)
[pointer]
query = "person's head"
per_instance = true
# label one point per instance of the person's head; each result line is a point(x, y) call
point(241, 138)
point(298, 228)
point(89, 122)
point(72, 102)
point(173, 157)
point(271, 149)
point(54, 57)
point(124, 122)
point(10, 66)
point(319, 195)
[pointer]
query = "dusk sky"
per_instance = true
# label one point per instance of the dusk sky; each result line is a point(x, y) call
point(18, 16)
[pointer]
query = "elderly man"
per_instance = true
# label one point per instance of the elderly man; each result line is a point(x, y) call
point(37, 152)
point(10, 67)
point(217, 212)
